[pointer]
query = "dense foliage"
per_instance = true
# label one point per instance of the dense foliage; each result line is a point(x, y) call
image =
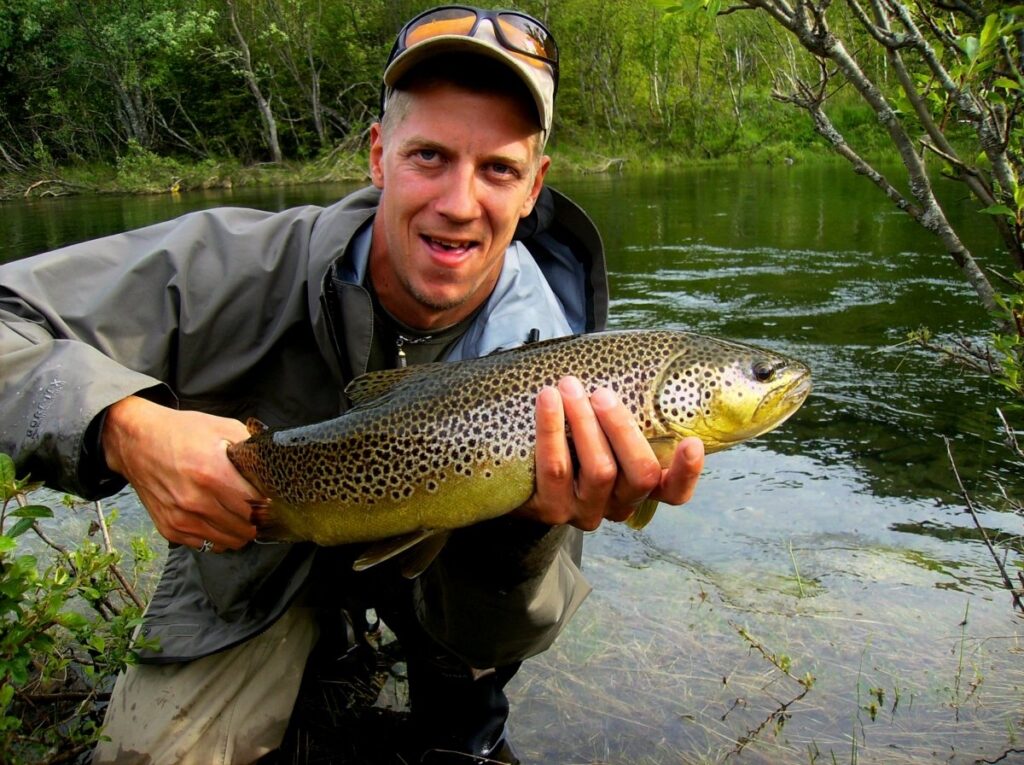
point(265, 80)
point(67, 615)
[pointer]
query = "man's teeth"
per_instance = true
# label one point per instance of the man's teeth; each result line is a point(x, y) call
point(450, 245)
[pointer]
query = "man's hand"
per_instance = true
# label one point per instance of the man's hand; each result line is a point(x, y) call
point(617, 467)
point(178, 464)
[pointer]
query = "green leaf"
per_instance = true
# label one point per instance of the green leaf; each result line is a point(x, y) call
point(969, 45)
point(989, 33)
point(73, 620)
point(6, 476)
point(998, 210)
point(1006, 82)
point(32, 511)
point(20, 527)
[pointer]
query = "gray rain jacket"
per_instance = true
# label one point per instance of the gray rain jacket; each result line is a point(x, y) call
point(227, 311)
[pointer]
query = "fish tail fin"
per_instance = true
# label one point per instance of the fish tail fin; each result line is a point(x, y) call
point(643, 514)
point(269, 527)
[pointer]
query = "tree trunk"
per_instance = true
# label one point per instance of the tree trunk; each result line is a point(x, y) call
point(249, 74)
point(807, 22)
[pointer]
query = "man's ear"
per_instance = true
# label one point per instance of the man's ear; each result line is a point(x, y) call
point(377, 155)
point(538, 184)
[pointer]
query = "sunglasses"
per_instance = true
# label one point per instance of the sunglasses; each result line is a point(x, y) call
point(517, 32)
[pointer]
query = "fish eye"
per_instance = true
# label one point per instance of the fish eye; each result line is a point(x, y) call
point(763, 371)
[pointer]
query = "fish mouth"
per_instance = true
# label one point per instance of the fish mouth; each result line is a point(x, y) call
point(787, 399)
point(798, 391)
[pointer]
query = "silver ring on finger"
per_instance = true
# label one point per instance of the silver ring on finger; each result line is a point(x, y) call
point(205, 547)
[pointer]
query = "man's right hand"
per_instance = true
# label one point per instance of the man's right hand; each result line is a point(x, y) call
point(178, 465)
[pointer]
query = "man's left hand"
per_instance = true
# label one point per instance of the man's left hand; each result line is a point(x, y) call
point(617, 469)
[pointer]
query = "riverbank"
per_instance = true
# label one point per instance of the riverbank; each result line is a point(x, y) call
point(143, 172)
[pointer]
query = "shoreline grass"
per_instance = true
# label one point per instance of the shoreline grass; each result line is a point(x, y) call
point(142, 172)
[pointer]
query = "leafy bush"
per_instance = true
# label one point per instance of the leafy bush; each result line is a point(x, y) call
point(67, 617)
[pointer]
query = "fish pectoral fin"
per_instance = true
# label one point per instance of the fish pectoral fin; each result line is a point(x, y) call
point(256, 426)
point(268, 526)
point(643, 514)
point(664, 448)
point(431, 540)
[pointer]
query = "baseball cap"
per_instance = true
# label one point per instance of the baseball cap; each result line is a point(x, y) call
point(515, 39)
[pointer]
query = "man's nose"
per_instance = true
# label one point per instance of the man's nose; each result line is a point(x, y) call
point(459, 199)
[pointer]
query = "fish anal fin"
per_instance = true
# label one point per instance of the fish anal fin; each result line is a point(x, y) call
point(417, 558)
point(432, 540)
point(643, 514)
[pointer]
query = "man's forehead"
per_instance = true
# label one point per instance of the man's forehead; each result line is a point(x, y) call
point(457, 120)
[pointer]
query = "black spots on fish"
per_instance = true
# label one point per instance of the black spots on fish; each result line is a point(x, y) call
point(472, 420)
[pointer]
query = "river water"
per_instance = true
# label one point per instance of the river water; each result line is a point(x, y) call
point(838, 545)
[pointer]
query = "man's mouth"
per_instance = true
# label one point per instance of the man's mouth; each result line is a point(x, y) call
point(450, 246)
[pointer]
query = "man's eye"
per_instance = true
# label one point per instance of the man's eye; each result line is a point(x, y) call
point(503, 170)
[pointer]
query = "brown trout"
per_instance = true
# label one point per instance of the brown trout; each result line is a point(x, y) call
point(444, 445)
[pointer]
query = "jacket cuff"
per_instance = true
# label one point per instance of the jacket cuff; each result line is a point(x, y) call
point(95, 478)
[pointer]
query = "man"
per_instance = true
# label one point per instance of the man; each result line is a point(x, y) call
point(134, 357)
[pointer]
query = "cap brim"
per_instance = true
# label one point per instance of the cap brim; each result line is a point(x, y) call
point(435, 46)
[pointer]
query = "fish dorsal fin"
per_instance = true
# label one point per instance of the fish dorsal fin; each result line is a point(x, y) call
point(643, 514)
point(373, 385)
point(421, 548)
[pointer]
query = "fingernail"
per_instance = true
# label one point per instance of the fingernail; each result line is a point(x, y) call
point(570, 386)
point(692, 451)
point(602, 398)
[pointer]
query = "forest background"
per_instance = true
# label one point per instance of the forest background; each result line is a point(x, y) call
point(150, 94)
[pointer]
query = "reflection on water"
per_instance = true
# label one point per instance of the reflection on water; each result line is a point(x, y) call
point(839, 541)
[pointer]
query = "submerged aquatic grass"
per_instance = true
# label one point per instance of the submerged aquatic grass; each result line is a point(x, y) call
point(667, 663)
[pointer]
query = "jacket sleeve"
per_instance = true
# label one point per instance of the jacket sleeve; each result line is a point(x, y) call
point(174, 311)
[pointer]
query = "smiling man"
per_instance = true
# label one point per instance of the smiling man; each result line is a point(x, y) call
point(459, 169)
point(163, 339)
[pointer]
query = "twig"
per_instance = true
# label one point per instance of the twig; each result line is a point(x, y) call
point(984, 535)
point(780, 713)
point(60, 549)
point(1011, 437)
point(114, 568)
point(50, 698)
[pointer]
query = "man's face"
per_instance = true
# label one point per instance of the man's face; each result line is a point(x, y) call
point(457, 172)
